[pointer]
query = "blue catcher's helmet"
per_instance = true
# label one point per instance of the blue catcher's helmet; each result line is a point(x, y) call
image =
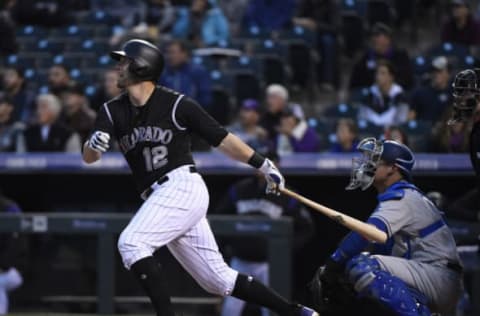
point(373, 150)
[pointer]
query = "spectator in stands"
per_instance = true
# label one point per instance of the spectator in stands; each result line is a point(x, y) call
point(247, 127)
point(430, 102)
point(450, 138)
point(107, 91)
point(10, 130)
point(48, 134)
point(346, 137)
point(270, 15)
point(382, 47)
point(397, 134)
point(247, 198)
point(234, 11)
point(59, 79)
point(12, 257)
point(8, 44)
point(461, 27)
point(322, 17)
point(294, 133)
point(182, 75)
point(384, 104)
point(204, 24)
point(277, 100)
point(79, 117)
point(17, 91)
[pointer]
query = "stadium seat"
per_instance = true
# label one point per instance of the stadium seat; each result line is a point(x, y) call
point(270, 47)
point(93, 46)
point(221, 80)
point(60, 59)
point(366, 129)
point(19, 60)
point(254, 32)
point(418, 133)
point(244, 64)
point(104, 61)
point(456, 53)
point(341, 110)
point(298, 34)
point(72, 31)
point(354, 6)
point(208, 62)
point(47, 46)
point(98, 17)
point(31, 31)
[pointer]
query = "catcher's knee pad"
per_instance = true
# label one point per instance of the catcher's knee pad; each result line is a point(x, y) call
point(370, 281)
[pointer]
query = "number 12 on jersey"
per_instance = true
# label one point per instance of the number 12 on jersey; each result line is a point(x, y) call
point(155, 157)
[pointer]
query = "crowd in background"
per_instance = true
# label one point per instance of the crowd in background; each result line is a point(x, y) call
point(387, 96)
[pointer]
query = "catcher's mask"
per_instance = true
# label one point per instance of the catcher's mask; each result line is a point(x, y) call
point(363, 168)
point(466, 90)
point(373, 150)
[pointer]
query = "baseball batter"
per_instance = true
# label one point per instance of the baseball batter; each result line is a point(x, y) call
point(153, 126)
point(418, 270)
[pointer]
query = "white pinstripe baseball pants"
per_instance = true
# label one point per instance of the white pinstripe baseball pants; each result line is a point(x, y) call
point(174, 215)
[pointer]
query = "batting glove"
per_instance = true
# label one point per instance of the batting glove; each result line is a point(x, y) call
point(275, 180)
point(99, 141)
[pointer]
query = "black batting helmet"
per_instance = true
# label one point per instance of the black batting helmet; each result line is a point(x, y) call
point(146, 59)
point(466, 92)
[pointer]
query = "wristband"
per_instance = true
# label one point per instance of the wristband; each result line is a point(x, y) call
point(256, 160)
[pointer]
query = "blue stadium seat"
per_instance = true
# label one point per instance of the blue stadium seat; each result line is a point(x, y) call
point(357, 6)
point(341, 110)
point(247, 86)
point(93, 46)
point(72, 31)
point(456, 52)
point(104, 61)
point(207, 62)
point(418, 133)
point(273, 70)
point(254, 32)
point(19, 60)
point(366, 129)
point(244, 64)
point(98, 17)
point(221, 80)
point(321, 126)
point(48, 46)
point(298, 34)
point(31, 31)
point(270, 47)
point(60, 59)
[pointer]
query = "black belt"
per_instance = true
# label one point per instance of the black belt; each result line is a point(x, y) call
point(148, 191)
point(455, 267)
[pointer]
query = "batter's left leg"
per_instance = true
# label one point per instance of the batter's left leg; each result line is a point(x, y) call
point(198, 253)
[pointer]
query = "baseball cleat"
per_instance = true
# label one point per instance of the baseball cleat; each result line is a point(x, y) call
point(305, 311)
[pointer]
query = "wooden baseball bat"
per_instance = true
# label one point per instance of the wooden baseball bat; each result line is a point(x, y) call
point(368, 231)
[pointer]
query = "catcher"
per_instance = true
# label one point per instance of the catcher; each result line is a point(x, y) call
point(416, 272)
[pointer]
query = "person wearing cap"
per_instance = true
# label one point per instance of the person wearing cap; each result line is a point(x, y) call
point(294, 133)
point(461, 27)
point(382, 46)
point(249, 255)
point(276, 98)
point(417, 271)
point(384, 104)
point(247, 128)
point(182, 75)
point(430, 102)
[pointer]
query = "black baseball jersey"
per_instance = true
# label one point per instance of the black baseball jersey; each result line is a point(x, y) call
point(155, 137)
